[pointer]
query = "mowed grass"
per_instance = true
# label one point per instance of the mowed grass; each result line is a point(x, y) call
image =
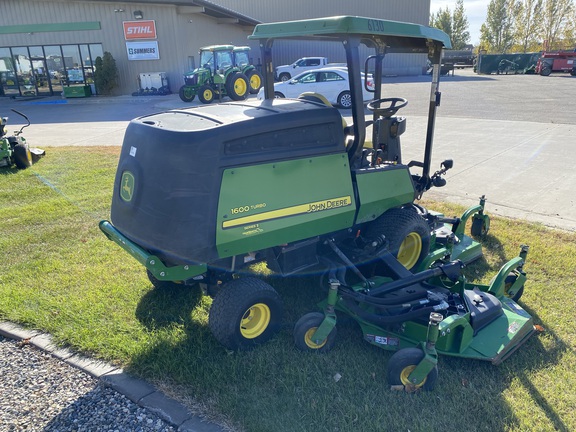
point(61, 275)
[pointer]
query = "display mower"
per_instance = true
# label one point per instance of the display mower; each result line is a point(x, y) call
point(200, 193)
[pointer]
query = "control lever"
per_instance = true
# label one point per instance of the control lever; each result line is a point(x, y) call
point(437, 179)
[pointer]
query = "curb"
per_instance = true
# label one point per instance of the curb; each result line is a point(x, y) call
point(135, 389)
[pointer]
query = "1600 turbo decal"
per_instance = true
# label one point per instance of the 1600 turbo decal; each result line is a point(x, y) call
point(300, 209)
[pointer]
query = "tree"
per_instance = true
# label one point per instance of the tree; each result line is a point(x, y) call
point(106, 73)
point(454, 24)
point(554, 20)
point(528, 24)
point(460, 33)
point(443, 21)
point(497, 33)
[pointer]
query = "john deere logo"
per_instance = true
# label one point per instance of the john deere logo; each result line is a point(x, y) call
point(127, 186)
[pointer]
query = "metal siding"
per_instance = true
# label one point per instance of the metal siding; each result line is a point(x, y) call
point(417, 11)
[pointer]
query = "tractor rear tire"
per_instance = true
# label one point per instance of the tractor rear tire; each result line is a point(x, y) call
point(305, 328)
point(186, 94)
point(22, 156)
point(245, 313)
point(237, 86)
point(255, 81)
point(206, 94)
point(402, 363)
point(407, 232)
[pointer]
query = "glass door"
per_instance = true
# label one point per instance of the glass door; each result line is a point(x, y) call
point(8, 82)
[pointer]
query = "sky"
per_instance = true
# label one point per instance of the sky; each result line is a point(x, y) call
point(475, 11)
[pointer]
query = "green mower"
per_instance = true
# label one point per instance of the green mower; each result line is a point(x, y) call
point(14, 149)
point(204, 192)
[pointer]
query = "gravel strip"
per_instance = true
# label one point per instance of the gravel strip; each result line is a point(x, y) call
point(40, 393)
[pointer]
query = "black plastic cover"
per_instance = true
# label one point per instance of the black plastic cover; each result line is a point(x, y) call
point(177, 158)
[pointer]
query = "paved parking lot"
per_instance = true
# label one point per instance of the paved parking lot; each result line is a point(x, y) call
point(512, 137)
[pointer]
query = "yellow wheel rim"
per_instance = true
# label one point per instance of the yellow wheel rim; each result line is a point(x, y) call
point(255, 81)
point(310, 343)
point(410, 250)
point(255, 321)
point(240, 86)
point(406, 373)
point(207, 94)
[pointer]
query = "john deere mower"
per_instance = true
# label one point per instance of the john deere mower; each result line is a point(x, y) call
point(201, 193)
point(217, 76)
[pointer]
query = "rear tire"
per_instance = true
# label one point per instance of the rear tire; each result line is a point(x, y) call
point(402, 363)
point(22, 156)
point(245, 313)
point(206, 94)
point(407, 232)
point(186, 94)
point(345, 100)
point(237, 86)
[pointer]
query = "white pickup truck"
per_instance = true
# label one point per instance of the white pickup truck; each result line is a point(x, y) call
point(285, 72)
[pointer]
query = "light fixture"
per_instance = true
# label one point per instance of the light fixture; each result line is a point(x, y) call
point(138, 14)
point(118, 10)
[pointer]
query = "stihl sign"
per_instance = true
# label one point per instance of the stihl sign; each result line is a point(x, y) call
point(139, 29)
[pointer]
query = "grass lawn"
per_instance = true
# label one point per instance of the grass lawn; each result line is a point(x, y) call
point(61, 275)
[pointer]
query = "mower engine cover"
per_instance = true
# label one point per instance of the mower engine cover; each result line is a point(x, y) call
point(209, 182)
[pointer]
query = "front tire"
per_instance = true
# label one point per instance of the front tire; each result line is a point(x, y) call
point(402, 363)
point(407, 232)
point(206, 94)
point(284, 76)
point(480, 226)
point(545, 71)
point(278, 95)
point(186, 94)
point(22, 156)
point(237, 86)
point(161, 285)
point(345, 100)
point(305, 328)
point(245, 313)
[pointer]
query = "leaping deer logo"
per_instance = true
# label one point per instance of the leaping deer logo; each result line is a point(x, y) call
point(127, 186)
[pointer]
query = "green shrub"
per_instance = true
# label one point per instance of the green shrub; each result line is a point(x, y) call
point(106, 74)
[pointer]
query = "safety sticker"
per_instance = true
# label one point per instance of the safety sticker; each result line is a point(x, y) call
point(513, 327)
point(382, 340)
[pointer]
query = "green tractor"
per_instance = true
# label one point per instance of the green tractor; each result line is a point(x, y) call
point(216, 77)
point(14, 149)
point(242, 61)
point(291, 183)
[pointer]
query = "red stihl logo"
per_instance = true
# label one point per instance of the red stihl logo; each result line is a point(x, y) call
point(139, 29)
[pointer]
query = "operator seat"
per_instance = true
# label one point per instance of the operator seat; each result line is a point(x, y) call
point(318, 98)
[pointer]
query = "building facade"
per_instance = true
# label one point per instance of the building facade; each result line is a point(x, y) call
point(47, 45)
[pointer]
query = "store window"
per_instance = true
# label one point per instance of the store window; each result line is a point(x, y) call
point(45, 70)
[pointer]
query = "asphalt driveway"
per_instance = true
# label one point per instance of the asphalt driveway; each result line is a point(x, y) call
point(512, 137)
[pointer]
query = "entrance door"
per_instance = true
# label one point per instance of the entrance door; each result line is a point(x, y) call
point(41, 76)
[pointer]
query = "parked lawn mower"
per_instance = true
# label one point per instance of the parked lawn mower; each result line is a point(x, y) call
point(201, 193)
point(14, 149)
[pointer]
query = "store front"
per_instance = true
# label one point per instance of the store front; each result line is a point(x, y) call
point(45, 70)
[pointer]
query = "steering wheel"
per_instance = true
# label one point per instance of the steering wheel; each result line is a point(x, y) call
point(394, 104)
